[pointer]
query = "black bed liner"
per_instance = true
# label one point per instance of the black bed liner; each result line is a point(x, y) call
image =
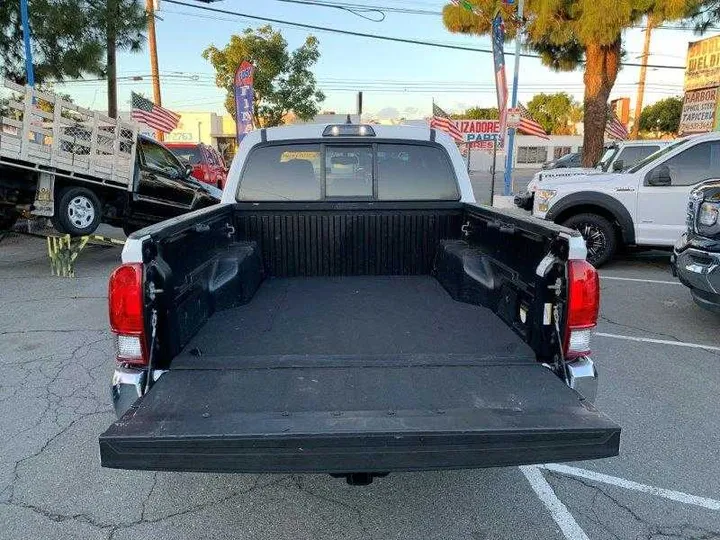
point(356, 315)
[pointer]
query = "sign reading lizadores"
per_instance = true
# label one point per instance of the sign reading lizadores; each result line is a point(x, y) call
point(244, 97)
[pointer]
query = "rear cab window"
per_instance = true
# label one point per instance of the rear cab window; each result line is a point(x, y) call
point(382, 171)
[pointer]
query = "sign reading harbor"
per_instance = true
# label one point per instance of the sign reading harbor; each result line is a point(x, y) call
point(702, 79)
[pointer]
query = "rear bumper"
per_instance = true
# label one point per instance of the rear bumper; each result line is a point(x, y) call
point(358, 453)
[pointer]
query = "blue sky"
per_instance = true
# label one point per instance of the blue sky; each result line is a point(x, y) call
point(397, 79)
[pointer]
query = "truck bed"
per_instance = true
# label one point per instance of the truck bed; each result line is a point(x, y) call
point(354, 315)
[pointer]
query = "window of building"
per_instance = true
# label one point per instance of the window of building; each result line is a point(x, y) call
point(560, 151)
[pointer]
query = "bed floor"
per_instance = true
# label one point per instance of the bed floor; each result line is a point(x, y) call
point(357, 315)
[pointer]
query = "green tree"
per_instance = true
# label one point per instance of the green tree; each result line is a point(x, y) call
point(569, 33)
point(124, 23)
point(64, 40)
point(479, 113)
point(283, 81)
point(662, 116)
point(556, 113)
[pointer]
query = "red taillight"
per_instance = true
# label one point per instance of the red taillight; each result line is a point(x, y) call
point(125, 297)
point(583, 306)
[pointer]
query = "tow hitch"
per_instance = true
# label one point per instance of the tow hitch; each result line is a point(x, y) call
point(359, 478)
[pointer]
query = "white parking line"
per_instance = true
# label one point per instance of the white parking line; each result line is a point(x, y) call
point(641, 280)
point(558, 510)
point(659, 341)
point(710, 504)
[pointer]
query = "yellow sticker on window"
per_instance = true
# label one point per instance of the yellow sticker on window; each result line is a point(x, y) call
point(309, 156)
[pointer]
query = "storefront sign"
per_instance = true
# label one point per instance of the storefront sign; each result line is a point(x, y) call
point(703, 64)
point(480, 134)
point(698, 113)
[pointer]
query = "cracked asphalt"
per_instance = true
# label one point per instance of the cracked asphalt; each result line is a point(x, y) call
point(56, 362)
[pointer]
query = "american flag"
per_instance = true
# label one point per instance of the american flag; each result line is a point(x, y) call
point(530, 126)
point(442, 121)
point(145, 111)
point(498, 44)
point(615, 128)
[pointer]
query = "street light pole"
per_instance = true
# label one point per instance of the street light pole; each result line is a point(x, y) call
point(507, 189)
point(29, 71)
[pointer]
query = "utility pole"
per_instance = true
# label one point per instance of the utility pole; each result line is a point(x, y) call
point(641, 83)
point(511, 131)
point(150, 8)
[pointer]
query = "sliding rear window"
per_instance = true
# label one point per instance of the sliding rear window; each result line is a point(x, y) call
point(282, 173)
point(375, 171)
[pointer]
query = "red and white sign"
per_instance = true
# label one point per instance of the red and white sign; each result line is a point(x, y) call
point(513, 117)
point(480, 134)
point(698, 113)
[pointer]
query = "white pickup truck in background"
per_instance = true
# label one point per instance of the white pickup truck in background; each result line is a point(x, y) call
point(617, 156)
point(641, 206)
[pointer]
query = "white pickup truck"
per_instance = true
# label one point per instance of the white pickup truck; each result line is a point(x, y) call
point(617, 156)
point(641, 206)
point(349, 309)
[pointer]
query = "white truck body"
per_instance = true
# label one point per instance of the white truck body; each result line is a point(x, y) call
point(653, 210)
point(627, 153)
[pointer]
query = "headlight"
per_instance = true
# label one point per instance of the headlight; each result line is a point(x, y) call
point(542, 199)
point(708, 214)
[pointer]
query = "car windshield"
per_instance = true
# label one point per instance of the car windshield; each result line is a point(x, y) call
point(654, 156)
point(191, 154)
point(607, 157)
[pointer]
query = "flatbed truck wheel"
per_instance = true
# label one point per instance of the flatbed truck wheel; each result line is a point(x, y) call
point(77, 212)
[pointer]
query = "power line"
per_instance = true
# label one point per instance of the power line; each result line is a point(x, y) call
point(375, 36)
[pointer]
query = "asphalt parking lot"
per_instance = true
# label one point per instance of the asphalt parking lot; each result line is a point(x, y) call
point(658, 356)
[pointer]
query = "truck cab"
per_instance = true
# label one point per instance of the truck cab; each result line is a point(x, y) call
point(644, 205)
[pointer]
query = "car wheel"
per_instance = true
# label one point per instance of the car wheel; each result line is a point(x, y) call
point(599, 236)
point(78, 212)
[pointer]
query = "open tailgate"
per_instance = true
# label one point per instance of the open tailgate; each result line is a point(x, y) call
point(356, 415)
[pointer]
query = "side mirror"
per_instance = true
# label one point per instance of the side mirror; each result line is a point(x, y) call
point(618, 165)
point(188, 170)
point(659, 176)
